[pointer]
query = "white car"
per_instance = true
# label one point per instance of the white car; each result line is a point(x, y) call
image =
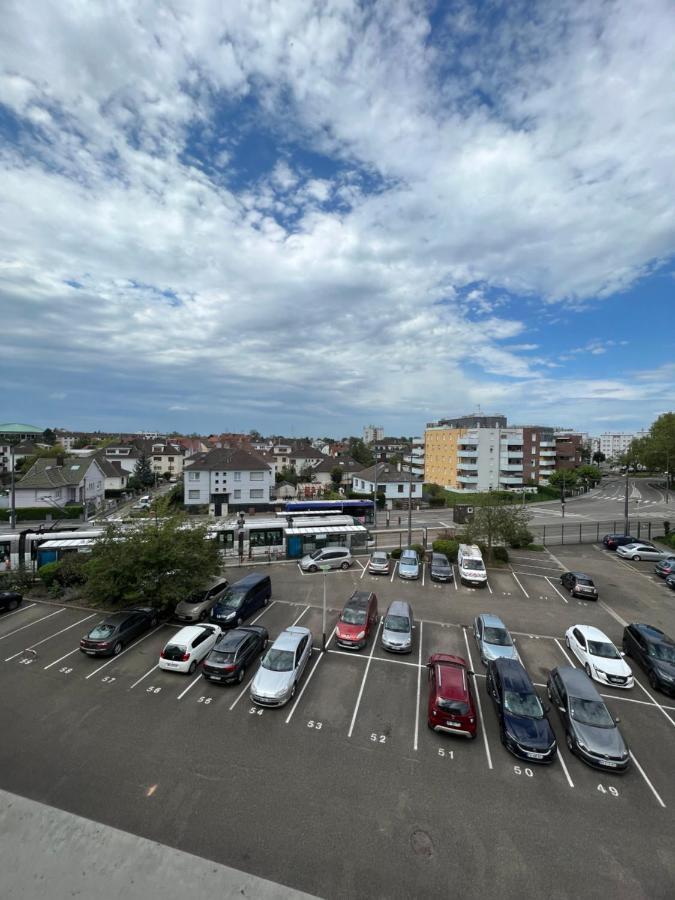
point(188, 647)
point(639, 550)
point(598, 655)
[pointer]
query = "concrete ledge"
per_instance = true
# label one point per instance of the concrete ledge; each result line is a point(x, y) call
point(48, 854)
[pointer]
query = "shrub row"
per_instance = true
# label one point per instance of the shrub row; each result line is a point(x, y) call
point(39, 513)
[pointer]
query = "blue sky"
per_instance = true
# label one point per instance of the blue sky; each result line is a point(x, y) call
point(303, 217)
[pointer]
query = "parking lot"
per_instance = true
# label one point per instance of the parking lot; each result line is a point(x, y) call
point(345, 791)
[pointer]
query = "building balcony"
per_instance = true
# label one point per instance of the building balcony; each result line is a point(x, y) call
point(547, 444)
point(510, 479)
point(467, 452)
point(467, 479)
point(547, 453)
point(511, 467)
point(507, 453)
point(469, 465)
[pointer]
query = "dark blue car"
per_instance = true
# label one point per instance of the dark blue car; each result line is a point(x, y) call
point(524, 728)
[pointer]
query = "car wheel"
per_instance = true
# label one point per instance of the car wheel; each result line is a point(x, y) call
point(12, 604)
point(587, 669)
point(117, 649)
point(313, 569)
point(202, 615)
point(240, 676)
point(653, 680)
point(192, 667)
point(345, 565)
point(636, 558)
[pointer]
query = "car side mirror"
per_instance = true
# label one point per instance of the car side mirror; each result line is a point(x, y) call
point(617, 720)
point(470, 672)
point(622, 653)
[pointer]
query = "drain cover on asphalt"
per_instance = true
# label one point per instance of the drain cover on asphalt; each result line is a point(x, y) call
point(422, 844)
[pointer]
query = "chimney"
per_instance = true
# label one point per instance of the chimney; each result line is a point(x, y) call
point(59, 460)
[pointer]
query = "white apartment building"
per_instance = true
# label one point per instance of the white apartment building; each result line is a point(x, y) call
point(615, 443)
point(372, 433)
point(415, 459)
point(394, 484)
point(226, 480)
point(502, 459)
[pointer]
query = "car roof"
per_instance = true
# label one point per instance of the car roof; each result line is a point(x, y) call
point(359, 600)
point(249, 580)
point(231, 639)
point(188, 633)
point(291, 637)
point(451, 680)
point(492, 621)
point(409, 553)
point(652, 633)
point(581, 575)
point(440, 557)
point(399, 608)
point(114, 618)
point(590, 631)
point(578, 683)
point(512, 673)
point(379, 553)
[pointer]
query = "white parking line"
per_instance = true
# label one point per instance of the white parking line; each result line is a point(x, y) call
point(332, 635)
point(611, 612)
point(126, 650)
point(519, 559)
point(480, 705)
point(56, 634)
point(454, 579)
point(65, 656)
point(655, 702)
point(564, 653)
point(143, 677)
point(388, 659)
point(565, 770)
point(562, 597)
point(360, 564)
point(300, 616)
point(647, 781)
point(488, 586)
point(520, 585)
point(307, 681)
point(30, 624)
point(242, 692)
point(364, 572)
point(444, 524)
point(300, 569)
point(20, 609)
point(419, 687)
point(393, 571)
point(363, 680)
point(191, 685)
point(269, 606)
point(556, 560)
point(423, 568)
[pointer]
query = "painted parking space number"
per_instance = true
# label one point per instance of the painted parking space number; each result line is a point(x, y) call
point(517, 770)
point(448, 754)
point(152, 689)
point(378, 738)
point(205, 700)
point(66, 670)
point(108, 679)
point(316, 725)
point(254, 711)
point(610, 790)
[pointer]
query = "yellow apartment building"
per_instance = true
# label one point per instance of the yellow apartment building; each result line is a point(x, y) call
point(440, 455)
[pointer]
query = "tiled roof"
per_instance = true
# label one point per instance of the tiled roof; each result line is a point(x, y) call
point(226, 459)
point(46, 473)
point(386, 473)
point(343, 462)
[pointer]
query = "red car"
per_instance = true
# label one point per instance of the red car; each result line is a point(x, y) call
point(357, 620)
point(451, 703)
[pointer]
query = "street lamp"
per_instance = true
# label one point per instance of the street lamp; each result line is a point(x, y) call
point(625, 506)
point(410, 499)
point(325, 568)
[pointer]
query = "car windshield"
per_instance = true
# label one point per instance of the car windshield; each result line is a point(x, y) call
point(454, 706)
point(409, 560)
point(196, 597)
point(397, 623)
point(590, 712)
point(499, 636)
point(475, 564)
point(278, 660)
point(441, 563)
point(603, 649)
point(232, 599)
point(379, 557)
point(173, 651)
point(101, 631)
point(353, 616)
point(664, 652)
point(217, 657)
point(523, 703)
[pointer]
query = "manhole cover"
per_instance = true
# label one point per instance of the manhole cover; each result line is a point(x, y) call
point(422, 844)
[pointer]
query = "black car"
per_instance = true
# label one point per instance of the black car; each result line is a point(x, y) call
point(524, 728)
point(10, 599)
point(234, 653)
point(579, 585)
point(612, 541)
point(109, 637)
point(654, 652)
point(241, 600)
point(591, 731)
point(670, 581)
point(440, 568)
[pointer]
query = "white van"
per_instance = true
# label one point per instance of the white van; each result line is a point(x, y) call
point(471, 566)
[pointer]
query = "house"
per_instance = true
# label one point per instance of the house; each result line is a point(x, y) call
point(227, 479)
point(163, 456)
point(296, 455)
point(190, 445)
point(323, 473)
point(387, 447)
point(116, 478)
point(285, 491)
point(54, 482)
point(125, 454)
point(391, 482)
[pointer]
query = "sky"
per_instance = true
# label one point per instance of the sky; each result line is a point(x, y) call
point(304, 217)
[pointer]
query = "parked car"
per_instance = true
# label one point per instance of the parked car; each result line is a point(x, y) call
point(409, 565)
point(112, 634)
point(524, 728)
point(653, 651)
point(281, 668)
point(612, 541)
point(670, 581)
point(440, 568)
point(10, 600)
point(665, 567)
point(451, 706)
point(470, 565)
point(188, 647)
point(591, 732)
point(197, 606)
point(233, 653)
point(638, 551)
point(598, 655)
point(241, 599)
point(335, 557)
point(579, 585)
point(379, 564)
point(397, 627)
point(493, 639)
point(357, 620)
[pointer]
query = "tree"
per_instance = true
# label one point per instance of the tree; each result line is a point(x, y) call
point(359, 452)
point(307, 475)
point(495, 522)
point(585, 453)
point(287, 474)
point(591, 474)
point(155, 565)
point(656, 450)
point(143, 470)
point(336, 476)
point(81, 443)
point(599, 457)
point(566, 477)
point(48, 436)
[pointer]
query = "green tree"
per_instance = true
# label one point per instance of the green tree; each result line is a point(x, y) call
point(81, 443)
point(361, 453)
point(307, 475)
point(656, 450)
point(599, 457)
point(585, 453)
point(154, 565)
point(287, 474)
point(495, 522)
point(566, 477)
point(591, 474)
point(336, 476)
point(143, 470)
point(48, 436)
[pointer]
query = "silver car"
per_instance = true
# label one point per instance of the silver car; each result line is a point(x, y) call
point(378, 564)
point(493, 639)
point(198, 605)
point(281, 667)
point(409, 565)
point(334, 557)
point(639, 550)
point(397, 627)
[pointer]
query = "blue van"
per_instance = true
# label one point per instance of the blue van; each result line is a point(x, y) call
point(241, 600)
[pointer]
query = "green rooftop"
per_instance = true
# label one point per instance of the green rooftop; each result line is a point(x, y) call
point(18, 428)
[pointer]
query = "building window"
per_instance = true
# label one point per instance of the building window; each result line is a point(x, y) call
point(193, 495)
point(193, 476)
point(400, 488)
point(257, 494)
point(257, 476)
point(237, 494)
point(237, 476)
point(269, 537)
point(171, 459)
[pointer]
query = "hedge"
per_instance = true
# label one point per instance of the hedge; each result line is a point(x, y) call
point(447, 548)
point(39, 513)
point(500, 554)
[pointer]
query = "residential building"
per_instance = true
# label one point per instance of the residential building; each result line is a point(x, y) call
point(615, 443)
point(116, 478)
point(568, 450)
point(391, 481)
point(296, 455)
point(54, 482)
point(385, 448)
point(20, 452)
point(414, 458)
point(227, 479)
point(476, 420)
point(127, 455)
point(372, 433)
point(323, 473)
point(163, 457)
point(14, 436)
point(440, 454)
